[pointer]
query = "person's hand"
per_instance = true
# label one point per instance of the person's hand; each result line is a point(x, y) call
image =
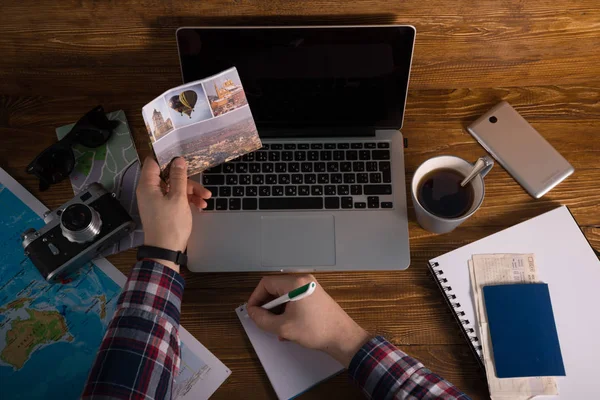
point(316, 322)
point(166, 214)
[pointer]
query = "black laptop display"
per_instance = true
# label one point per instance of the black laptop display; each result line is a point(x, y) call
point(309, 81)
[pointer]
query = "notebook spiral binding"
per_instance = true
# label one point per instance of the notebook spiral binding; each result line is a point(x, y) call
point(466, 325)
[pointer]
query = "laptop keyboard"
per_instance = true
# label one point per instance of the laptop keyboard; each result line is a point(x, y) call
point(304, 176)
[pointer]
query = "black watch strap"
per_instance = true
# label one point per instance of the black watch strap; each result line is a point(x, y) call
point(177, 257)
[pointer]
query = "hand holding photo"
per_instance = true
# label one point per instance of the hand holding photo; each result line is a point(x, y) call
point(207, 122)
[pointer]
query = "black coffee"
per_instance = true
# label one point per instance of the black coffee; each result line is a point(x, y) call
point(440, 193)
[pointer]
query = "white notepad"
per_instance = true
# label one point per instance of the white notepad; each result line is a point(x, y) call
point(568, 264)
point(291, 368)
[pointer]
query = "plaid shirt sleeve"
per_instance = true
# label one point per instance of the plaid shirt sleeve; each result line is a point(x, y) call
point(139, 355)
point(384, 372)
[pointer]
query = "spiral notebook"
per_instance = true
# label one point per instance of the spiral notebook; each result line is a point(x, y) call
point(570, 267)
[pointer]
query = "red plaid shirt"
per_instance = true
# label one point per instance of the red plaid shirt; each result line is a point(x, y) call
point(139, 355)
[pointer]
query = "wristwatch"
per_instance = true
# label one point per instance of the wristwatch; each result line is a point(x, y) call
point(177, 257)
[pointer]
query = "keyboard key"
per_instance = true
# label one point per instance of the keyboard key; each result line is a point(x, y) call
point(245, 180)
point(289, 146)
point(332, 167)
point(329, 190)
point(371, 166)
point(303, 146)
point(312, 156)
point(352, 155)
point(264, 191)
point(214, 170)
point(231, 179)
point(387, 204)
point(238, 191)
point(241, 168)
point(291, 203)
point(373, 202)
point(306, 167)
point(332, 202)
point(276, 146)
point(258, 179)
point(336, 178)
point(343, 190)
point(339, 155)
point(208, 180)
point(297, 179)
point(363, 177)
point(345, 166)
point(316, 190)
point(378, 189)
point(224, 191)
point(310, 179)
point(358, 166)
point(316, 146)
point(387, 176)
point(356, 145)
point(271, 179)
point(284, 179)
point(248, 157)
point(380, 154)
point(370, 145)
point(274, 156)
point(261, 156)
point(249, 204)
point(210, 204)
point(375, 177)
point(319, 167)
point(323, 178)
point(349, 178)
point(304, 190)
point(287, 156)
point(294, 167)
point(290, 191)
point(254, 168)
point(356, 190)
point(212, 189)
point(330, 145)
point(229, 168)
point(251, 191)
point(326, 155)
point(221, 204)
point(267, 167)
point(360, 205)
point(281, 167)
point(343, 145)
point(364, 155)
point(265, 146)
point(277, 191)
point(383, 145)
point(235, 204)
point(300, 156)
point(347, 202)
point(385, 166)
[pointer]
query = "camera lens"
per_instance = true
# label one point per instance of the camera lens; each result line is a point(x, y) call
point(493, 119)
point(80, 223)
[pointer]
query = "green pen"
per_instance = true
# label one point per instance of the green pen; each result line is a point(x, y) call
point(295, 295)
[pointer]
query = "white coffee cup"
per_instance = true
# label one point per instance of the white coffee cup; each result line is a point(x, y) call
point(437, 224)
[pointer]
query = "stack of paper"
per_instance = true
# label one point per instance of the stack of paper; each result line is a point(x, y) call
point(494, 269)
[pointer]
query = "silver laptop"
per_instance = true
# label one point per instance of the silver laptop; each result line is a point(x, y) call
point(327, 190)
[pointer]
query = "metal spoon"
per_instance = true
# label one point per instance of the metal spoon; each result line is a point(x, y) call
point(479, 166)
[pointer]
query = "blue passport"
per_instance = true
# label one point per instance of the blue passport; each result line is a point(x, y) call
point(523, 331)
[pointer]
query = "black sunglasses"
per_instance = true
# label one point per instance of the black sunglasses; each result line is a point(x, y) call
point(57, 162)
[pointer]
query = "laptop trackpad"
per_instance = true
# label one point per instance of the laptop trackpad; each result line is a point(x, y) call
point(298, 240)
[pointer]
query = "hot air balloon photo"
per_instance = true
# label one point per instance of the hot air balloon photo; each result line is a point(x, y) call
point(189, 105)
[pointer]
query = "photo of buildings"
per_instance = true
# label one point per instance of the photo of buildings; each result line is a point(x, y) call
point(224, 139)
point(157, 119)
point(225, 92)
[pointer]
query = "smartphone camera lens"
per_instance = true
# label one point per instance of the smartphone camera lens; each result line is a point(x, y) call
point(493, 119)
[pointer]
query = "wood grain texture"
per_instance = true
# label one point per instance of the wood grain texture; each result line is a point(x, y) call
point(59, 59)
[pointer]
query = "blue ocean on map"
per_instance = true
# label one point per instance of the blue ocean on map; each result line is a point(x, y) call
point(43, 364)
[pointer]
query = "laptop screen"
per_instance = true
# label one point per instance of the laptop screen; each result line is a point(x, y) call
point(331, 80)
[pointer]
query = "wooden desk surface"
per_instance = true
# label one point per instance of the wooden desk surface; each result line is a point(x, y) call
point(59, 59)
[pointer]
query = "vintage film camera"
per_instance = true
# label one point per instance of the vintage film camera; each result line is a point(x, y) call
point(77, 232)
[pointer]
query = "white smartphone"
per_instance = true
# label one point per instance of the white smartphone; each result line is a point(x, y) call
point(520, 149)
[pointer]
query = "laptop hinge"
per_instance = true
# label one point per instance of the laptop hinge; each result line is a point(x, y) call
point(288, 133)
